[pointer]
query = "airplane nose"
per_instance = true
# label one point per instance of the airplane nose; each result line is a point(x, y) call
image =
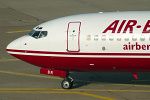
point(14, 48)
point(14, 45)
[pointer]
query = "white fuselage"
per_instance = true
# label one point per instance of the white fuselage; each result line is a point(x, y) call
point(116, 38)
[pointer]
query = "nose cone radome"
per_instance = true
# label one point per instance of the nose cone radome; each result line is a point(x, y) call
point(14, 44)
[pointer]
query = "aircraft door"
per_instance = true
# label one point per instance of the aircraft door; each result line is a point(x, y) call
point(73, 37)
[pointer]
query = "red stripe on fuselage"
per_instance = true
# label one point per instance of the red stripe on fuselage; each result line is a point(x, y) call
point(89, 64)
point(102, 64)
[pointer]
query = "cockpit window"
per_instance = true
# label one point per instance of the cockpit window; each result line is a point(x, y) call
point(38, 34)
point(31, 32)
point(43, 34)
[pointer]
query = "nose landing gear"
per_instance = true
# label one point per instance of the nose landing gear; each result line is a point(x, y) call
point(67, 83)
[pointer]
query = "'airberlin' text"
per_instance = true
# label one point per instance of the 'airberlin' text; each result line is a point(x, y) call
point(135, 46)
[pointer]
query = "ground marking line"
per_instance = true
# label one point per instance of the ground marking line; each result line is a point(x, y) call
point(18, 31)
point(81, 93)
point(62, 90)
point(95, 96)
point(29, 89)
point(24, 74)
point(133, 85)
point(8, 59)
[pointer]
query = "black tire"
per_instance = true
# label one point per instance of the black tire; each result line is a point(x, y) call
point(66, 84)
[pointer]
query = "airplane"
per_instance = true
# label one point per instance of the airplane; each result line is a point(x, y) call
point(93, 42)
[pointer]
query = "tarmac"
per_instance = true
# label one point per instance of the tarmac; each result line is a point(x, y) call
point(22, 81)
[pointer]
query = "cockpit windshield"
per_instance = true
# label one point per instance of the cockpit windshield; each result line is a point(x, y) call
point(38, 34)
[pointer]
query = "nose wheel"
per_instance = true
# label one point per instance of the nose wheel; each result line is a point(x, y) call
point(67, 83)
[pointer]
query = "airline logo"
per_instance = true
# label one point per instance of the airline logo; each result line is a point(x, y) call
point(125, 25)
point(136, 46)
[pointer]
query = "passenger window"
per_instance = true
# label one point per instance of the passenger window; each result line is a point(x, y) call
point(142, 38)
point(126, 38)
point(103, 37)
point(96, 37)
point(88, 37)
point(134, 38)
point(111, 38)
point(118, 38)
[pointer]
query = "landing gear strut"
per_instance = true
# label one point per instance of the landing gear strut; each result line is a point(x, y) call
point(67, 83)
